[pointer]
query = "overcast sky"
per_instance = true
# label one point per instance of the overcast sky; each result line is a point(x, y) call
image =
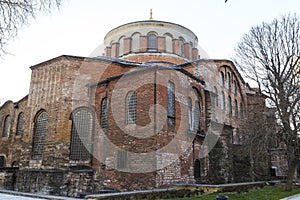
point(78, 27)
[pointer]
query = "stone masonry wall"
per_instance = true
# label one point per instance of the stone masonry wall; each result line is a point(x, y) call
point(55, 182)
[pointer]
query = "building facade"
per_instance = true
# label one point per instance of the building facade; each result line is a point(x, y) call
point(148, 113)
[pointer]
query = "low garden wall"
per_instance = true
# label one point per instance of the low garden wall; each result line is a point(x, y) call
point(177, 191)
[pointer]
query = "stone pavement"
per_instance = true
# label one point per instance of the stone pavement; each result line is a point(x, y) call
point(295, 197)
point(13, 195)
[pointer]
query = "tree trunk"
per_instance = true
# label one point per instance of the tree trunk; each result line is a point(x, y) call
point(293, 164)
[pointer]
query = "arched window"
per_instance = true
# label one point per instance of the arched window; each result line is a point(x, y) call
point(81, 134)
point(182, 46)
point(229, 106)
point(104, 113)
point(20, 124)
point(197, 113)
point(228, 81)
point(190, 114)
point(222, 101)
point(131, 99)
point(6, 127)
point(135, 42)
point(222, 79)
point(121, 46)
point(216, 97)
point(235, 108)
point(152, 42)
point(197, 170)
point(40, 129)
point(169, 43)
point(234, 87)
point(236, 138)
point(171, 103)
point(241, 110)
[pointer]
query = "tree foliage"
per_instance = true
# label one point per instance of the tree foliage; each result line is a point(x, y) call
point(14, 14)
point(269, 55)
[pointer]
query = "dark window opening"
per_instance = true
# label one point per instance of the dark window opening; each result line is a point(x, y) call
point(273, 172)
point(229, 107)
point(2, 161)
point(104, 113)
point(171, 104)
point(190, 114)
point(197, 170)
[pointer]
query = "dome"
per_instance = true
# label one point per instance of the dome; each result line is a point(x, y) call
point(151, 36)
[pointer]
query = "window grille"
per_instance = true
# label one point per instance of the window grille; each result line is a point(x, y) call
point(152, 42)
point(122, 159)
point(40, 129)
point(81, 135)
point(104, 113)
point(20, 124)
point(171, 104)
point(6, 128)
point(131, 99)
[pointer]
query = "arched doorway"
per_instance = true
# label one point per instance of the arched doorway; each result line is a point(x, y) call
point(197, 170)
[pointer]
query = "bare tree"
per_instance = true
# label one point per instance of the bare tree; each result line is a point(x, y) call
point(259, 135)
point(14, 14)
point(269, 55)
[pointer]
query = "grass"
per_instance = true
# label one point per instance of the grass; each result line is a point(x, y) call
point(267, 193)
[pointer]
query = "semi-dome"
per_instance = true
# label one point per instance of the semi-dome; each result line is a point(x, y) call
point(151, 36)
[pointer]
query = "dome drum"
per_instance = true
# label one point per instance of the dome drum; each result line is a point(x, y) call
point(151, 36)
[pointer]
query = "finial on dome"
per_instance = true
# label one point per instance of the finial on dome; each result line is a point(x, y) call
point(151, 18)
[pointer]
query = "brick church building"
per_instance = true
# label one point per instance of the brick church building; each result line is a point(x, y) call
point(148, 113)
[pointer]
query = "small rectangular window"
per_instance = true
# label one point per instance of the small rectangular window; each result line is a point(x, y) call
point(122, 159)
